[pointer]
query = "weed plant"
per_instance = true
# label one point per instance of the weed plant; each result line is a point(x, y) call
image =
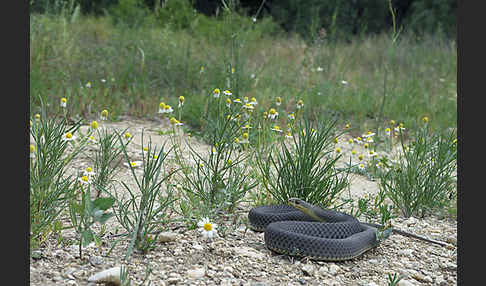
point(87, 212)
point(50, 186)
point(423, 179)
point(142, 214)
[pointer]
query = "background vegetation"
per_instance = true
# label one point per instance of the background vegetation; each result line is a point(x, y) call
point(343, 61)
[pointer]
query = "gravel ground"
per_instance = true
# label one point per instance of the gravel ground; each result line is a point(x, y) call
point(239, 256)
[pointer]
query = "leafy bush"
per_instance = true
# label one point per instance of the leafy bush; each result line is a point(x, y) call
point(132, 13)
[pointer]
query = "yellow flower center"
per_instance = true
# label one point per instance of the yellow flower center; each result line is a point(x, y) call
point(133, 164)
point(272, 111)
point(276, 127)
point(425, 119)
point(128, 135)
point(347, 126)
point(208, 226)
point(85, 178)
point(32, 148)
point(216, 91)
point(172, 120)
point(392, 122)
point(37, 116)
point(89, 170)
point(104, 113)
point(64, 100)
point(162, 105)
point(94, 125)
point(245, 135)
point(69, 135)
point(338, 150)
point(278, 99)
point(228, 101)
point(181, 98)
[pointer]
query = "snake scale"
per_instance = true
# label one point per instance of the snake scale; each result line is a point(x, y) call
point(289, 230)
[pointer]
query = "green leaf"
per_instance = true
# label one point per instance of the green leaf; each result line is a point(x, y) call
point(103, 203)
point(104, 217)
point(87, 237)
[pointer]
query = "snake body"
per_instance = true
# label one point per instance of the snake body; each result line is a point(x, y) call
point(288, 230)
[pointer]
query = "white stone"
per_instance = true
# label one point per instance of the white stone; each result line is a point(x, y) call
point(308, 269)
point(405, 282)
point(196, 273)
point(168, 236)
point(249, 252)
point(334, 269)
point(111, 275)
point(323, 270)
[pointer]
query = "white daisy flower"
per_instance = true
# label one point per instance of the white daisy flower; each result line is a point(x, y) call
point(227, 92)
point(253, 101)
point(272, 113)
point(277, 128)
point(162, 107)
point(32, 151)
point(168, 109)
point(248, 106)
point(300, 104)
point(369, 134)
point(63, 102)
point(207, 228)
point(104, 115)
point(85, 180)
point(68, 137)
point(319, 69)
point(133, 164)
point(216, 92)
point(89, 172)
point(88, 85)
point(344, 82)
point(92, 140)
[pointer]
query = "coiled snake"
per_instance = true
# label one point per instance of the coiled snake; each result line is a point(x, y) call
point(297, 229)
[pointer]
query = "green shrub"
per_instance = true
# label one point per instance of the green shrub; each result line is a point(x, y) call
point(423, 179)
point(306, 170)
point(132, 13)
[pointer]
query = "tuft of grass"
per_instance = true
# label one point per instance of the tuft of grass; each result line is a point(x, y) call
point(305, 170)
point(50, 185)
point(423, 179)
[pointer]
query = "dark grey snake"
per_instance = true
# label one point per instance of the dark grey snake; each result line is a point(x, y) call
point(296, 230)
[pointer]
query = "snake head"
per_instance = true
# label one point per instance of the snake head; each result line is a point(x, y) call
point(299, 204)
